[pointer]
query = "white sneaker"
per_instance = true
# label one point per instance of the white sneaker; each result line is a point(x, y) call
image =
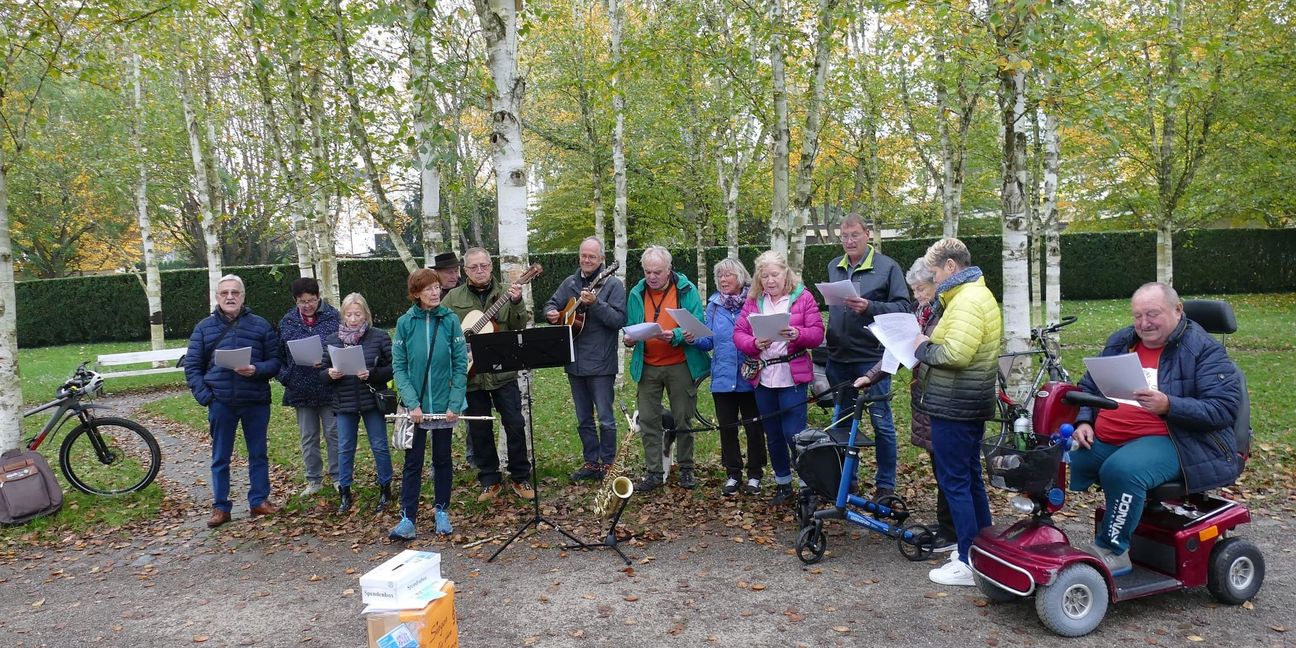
point(953, 572)
point(311, 489)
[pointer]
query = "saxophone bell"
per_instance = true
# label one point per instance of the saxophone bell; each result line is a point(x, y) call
point(623, 487)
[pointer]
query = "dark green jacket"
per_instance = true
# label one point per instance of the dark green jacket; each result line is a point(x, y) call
point(447, 373)
point(511, 317)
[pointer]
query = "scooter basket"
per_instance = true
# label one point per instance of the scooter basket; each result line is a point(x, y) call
point(1032, 471)
point(819, 461)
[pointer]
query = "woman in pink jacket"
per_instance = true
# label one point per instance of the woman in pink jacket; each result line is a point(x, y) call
point(786, 367)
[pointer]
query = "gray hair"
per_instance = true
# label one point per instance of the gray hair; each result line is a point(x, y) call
point(947, 249)
point(232, 277)
point(595, 239)
point(1171, 295)
point(734, 267)
point(920, 273)
point(473, 250)
point(657, 252)
point(854, 218)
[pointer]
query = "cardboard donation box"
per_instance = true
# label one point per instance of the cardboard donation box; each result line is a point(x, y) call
point(432, 626)
point(408, 580)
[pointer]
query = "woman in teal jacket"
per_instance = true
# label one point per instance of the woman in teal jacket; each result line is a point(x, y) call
point(430, 362)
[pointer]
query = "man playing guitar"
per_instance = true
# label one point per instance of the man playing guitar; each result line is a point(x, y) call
point(593, 374)
point(482, 292)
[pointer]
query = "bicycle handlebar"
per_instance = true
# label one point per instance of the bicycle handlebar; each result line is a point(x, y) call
point(865, 398)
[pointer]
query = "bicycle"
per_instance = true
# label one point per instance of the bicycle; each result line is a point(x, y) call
point(1015, 413)
point(102, 455)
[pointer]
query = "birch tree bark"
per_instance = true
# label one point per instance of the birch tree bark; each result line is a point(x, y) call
point(324, 231)
point(201, 184)
point(810, 134)
point(1050, 221)
point(418, 13)
point(778, 225)
point(152, 278)
point(386, 216)
point(11, 398)
point(620, 235)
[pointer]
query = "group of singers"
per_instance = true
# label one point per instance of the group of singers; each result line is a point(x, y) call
point(428, 358)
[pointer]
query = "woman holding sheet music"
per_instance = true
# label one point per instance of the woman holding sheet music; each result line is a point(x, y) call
point(303, 389)
point(354, 398)
point(784, 367)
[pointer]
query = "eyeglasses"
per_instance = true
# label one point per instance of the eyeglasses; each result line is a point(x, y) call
point(478, 266)
point(229, 293)
point(854, 236)
point(307, 302)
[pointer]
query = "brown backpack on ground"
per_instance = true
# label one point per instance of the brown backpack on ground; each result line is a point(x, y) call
point(28, 489)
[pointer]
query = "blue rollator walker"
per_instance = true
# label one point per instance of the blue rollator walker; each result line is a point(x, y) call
point(827, 466)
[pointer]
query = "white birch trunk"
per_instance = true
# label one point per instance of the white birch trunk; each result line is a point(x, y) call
point(499, 25)
point(949, 199)
point(152, 278)
point(1052, 243)
point(420, 56)
point(810, 136)
point(1016, 289)
point(778, 226)
point(1167, 154)
point(620, 235)
point(699, 229)
point(207, 220)
point(11, 398)
point(326, 249)
point(1165, 251)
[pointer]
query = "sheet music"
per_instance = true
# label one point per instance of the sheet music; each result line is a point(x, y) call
point(1118, 376)
point(306, 352)
point(233, 358)
point(897, 332)
point(642, 332)
point(768, 327)
point(837, 292)
point(689, 322)
point(349, 360)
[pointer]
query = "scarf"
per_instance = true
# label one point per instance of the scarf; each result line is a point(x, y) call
point(925, 314)
point(733, 303)
point(351, 335)
point(966, 275)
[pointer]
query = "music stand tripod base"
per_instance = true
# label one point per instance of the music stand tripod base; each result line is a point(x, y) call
point(534, 348)
point(610, 539)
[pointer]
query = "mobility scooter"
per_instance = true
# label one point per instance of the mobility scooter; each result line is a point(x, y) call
point(1184, 539)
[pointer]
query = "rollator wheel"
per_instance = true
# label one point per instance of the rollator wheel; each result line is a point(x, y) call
point(921, 543)
point(805, 508)
point(899, 510)
point(811, 543)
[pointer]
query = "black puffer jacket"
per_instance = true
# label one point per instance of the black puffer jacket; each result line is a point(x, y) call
point(350, 394)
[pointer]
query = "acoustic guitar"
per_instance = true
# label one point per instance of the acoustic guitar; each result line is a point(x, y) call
point(484, 321)
point(573, 314)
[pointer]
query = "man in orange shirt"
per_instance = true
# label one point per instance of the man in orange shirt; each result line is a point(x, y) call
point(668, 362)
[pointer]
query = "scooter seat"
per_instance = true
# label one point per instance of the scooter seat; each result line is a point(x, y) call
point(1172, 490)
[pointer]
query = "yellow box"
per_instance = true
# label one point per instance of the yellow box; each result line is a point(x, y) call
point(436, 624)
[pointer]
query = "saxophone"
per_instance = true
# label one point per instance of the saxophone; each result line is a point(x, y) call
point(615, 482)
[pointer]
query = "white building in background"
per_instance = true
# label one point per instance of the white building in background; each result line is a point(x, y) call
point(356, 232)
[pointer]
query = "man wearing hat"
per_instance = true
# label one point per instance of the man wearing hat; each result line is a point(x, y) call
point(446, 265)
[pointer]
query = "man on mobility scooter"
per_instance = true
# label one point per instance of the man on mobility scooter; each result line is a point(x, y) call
point(1188, 433)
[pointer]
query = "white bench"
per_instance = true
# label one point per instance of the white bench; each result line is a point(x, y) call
point(168, 356)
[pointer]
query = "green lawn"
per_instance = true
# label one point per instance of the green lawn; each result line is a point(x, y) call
point(1265, 348)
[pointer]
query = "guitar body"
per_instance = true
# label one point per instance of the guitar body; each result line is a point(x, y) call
point(477, 322)
point(573, 314)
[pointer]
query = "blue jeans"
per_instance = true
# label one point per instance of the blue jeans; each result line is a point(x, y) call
point(348, 427)
point(224, 421)
point(781, 428)
point(442, 471)
point(884, 432)
point(591, 393)
point(956, 447)
point(1126, 472)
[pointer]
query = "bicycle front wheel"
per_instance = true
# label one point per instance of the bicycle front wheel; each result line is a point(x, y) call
point(110, 456)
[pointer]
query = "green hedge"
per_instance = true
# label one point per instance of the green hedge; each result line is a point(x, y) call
point(1104, 265)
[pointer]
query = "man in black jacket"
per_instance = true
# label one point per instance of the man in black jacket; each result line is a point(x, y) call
point(852, 349)
point(593, 374)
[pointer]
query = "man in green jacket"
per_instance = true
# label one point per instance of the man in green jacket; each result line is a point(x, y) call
point(666, 362)
point(957, 373)
point(493, 389)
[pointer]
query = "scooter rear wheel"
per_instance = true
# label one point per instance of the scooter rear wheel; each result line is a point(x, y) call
point(811, 543)
point(1236, 571)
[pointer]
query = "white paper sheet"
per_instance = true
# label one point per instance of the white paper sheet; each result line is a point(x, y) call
point(1118, 376)
point(890, 363)
point(645, 331)
point(768, 327)
point(689, 323)
point(349, 360)
point(306, 352)
point(233, 358)
point(897, 333)
point(837, 292)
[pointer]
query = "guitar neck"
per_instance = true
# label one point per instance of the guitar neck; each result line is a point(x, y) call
point(489, 314)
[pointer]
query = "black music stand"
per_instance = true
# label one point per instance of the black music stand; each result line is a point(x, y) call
point(534, 348)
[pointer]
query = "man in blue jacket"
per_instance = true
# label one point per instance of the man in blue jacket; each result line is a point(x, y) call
point(1182, 424)
point(231, 396)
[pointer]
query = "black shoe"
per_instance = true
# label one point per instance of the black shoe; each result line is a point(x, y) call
point(344, 504)
point(782, 495)
point(384, 495)
point(730, 487)
point(588, 471)
point(880, 492)
point(650, 482)
point(943, 543)
point(687, 479)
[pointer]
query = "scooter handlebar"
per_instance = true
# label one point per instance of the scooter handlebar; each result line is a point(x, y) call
point(1091, 400)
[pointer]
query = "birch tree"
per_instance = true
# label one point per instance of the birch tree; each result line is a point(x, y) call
point(152, 278)
point(810, 134)
point(778, 227)
point(619, 227)
point(418, 14)
point(202, 187)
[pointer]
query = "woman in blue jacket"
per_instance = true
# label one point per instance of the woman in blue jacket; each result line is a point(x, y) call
point(733, 394)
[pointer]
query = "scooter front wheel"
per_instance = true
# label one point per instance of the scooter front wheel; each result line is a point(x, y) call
point(811, 543)
point(1075, 602)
